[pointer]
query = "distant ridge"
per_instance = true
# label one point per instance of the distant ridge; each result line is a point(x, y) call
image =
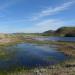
point(63, 31)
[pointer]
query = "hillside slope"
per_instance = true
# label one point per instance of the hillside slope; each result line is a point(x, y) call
point(63, 31)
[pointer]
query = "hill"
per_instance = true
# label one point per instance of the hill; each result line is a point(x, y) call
point(63, 31)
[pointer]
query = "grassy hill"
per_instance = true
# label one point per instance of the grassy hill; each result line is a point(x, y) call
point(63, 31)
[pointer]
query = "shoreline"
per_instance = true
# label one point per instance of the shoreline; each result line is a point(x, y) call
point(65, 47)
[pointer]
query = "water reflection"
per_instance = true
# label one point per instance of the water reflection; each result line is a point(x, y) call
point(29, 55)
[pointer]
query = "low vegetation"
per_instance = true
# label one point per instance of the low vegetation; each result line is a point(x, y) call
point(68, 48)
point(63, 31)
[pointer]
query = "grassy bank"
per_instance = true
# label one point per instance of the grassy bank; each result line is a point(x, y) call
point(64, 68)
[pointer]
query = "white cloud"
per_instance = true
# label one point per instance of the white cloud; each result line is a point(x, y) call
point(45, 25)
point(49, 24)
point(52, 10)
point(46, 12)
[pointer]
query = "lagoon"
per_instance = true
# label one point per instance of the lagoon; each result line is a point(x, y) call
point(30, 55)
point(66, 39)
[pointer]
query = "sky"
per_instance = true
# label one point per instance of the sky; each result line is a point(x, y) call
point(35, 16)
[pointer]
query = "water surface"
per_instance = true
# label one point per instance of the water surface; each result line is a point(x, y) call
point(68, 39)
point(31, 55)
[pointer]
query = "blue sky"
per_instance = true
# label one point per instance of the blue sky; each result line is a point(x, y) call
point(31, 16)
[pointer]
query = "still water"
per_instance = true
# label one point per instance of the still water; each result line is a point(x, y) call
point(31, 55)
point(68, 39)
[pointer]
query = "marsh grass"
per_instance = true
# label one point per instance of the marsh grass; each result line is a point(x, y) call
point(67, 48)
